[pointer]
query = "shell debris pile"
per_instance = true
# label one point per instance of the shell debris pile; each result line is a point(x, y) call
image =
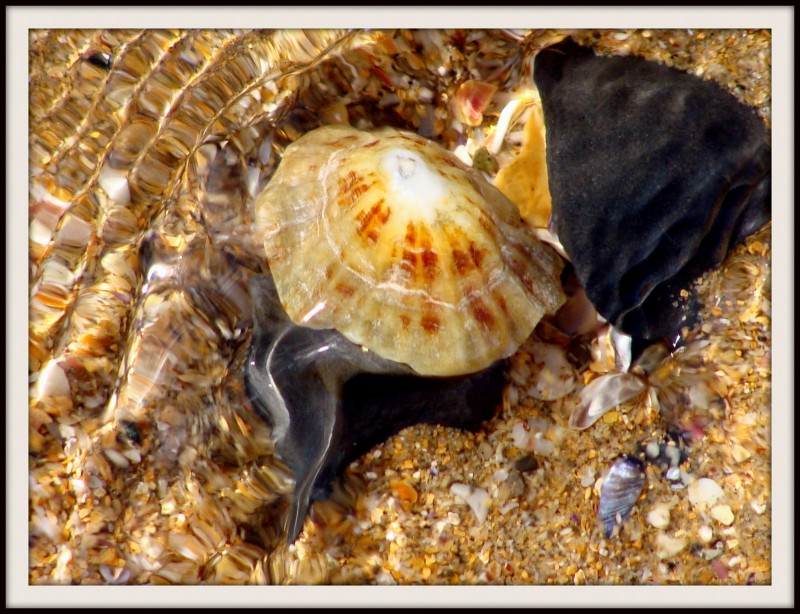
point(147, 463)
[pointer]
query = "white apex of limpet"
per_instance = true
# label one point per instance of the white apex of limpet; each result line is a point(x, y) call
point(412, 181)
point(390, 239)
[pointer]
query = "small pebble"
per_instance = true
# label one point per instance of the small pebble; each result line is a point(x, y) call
point(740, 453)
point(706, 534)
point(722, 514)
point(758, 508)
point(704, 492)
point(526, 463)
point(542, 446)
point(477, 499)
point(673, 455)
point(659, 516)
point(52, 381)
point(667, 546)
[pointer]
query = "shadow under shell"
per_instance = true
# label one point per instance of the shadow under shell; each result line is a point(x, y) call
point(655, 174)
point(328, 401)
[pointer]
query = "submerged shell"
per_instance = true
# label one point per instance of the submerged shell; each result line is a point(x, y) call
point(654, 175)
point(524, 180)
point(391, 240)
point(619, 491)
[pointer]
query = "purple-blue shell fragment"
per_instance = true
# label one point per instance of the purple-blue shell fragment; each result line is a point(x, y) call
point(619, 491)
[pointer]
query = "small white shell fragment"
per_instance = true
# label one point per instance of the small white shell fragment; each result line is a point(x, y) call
point(659, 516)
point(520, 436)
point(587, 476)
point(462, 153)
point(706, 534)
point(503, 122)
point(477, 499)
point(265, 150)
point(509, 506)
point(653, 449)
point(704, 492)
point(115, 457)
point(554, 377)
point(667, 547)
point(52, 381)
point(542, 446)
point(390, 239)
point(74, 231)
point(622, 344)
point(115, 183)
point(39, 232)
point(722, 514)
point(602, 394)
point(740, 453)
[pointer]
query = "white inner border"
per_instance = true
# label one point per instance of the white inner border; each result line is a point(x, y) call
point(779, 19)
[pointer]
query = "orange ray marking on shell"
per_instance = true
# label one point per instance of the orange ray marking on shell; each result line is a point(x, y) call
point(481, 312)
point(430, 323)
point(370, 221)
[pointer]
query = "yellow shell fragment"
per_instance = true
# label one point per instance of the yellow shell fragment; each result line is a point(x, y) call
point(524, 180)
point(391, 240)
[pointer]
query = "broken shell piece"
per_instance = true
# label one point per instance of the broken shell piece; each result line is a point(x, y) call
point(388, 238)
point(478, 499)
point(553, 375)
point(524, 179)
point(602, 394)
point(704, 493)
point(619, 490)
point(471, 100)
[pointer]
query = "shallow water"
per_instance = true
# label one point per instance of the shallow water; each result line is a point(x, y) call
point(147, 463)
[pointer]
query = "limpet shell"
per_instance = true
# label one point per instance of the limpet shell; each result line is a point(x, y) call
point(388, 238)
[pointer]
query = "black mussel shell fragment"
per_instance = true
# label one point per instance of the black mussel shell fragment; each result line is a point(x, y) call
point(619, 491)
point(328, 401)
point(655, 174)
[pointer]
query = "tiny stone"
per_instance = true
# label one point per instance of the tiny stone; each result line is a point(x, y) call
point(740, 453)
point(706, 534)
point(669, 546)
point(587, 476)
point(52, 381)
point(723, 514)
point(659, 516)
point(542, 446)
point(712, 554)
point(652, 449)
point(704, 491)
point(673, 455)
point(674, 474)
point(526, 463)
point(758, 508)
